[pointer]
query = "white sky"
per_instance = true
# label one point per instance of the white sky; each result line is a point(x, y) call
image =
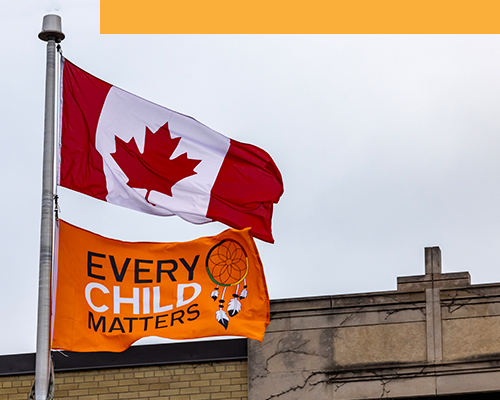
point(386, 144)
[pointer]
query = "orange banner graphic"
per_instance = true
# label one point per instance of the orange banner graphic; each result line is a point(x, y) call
point(110, 293)
point(294, 17)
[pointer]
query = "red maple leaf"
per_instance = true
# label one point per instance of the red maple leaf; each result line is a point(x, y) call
point(153, 169)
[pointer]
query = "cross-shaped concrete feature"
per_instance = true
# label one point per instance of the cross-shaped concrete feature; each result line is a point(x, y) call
point(432, 282)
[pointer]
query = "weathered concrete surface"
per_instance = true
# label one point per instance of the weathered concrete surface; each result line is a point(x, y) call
point(470, 337)
point(311, 349)
point(384, 343)
point(437, 334)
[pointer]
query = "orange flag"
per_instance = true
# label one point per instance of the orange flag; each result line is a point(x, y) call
point(110, 293)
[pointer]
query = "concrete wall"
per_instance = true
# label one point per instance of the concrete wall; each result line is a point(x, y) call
point(436, 335)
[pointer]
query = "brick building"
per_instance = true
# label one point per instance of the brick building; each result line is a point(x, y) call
point(193, 370)
point(435, 336)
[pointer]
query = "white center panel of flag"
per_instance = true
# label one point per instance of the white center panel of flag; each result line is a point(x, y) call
point(124, 116)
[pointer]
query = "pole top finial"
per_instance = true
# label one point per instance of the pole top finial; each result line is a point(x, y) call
point(51, 28)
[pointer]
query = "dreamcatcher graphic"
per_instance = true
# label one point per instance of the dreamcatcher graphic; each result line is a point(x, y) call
point(227, 266)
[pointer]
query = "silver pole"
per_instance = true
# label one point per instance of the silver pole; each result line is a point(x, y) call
point(51, 33)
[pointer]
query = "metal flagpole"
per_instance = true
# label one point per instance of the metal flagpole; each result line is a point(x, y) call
point(52, 34)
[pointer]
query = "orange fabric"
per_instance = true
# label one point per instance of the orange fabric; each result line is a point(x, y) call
point(110, 293)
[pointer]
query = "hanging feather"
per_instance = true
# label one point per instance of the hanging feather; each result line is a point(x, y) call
point(244, 293)
point(222, 318)
point(215, 293)
point(234, 306)
point(221, 314)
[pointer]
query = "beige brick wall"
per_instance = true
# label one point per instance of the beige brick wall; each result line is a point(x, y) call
point(15, 387)
point(218, 380)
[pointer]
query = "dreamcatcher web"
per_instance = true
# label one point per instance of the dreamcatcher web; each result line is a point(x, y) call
point(227, 266)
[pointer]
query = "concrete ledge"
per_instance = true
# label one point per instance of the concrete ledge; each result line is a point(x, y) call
point(429, 281)
point(467, 378)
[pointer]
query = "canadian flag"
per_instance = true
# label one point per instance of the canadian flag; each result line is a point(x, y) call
point(125, 150)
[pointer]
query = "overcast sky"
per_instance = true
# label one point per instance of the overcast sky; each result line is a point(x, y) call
point(386, 144)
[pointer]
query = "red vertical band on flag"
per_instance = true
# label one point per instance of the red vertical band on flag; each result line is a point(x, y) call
point(247, 172)
point(81, 164)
